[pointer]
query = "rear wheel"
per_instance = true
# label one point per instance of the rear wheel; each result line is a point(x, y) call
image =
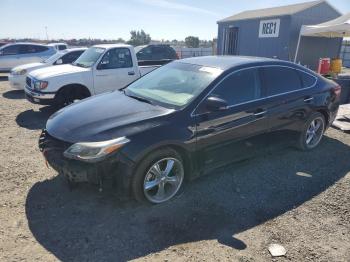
point(158, 177)
point(312, 133)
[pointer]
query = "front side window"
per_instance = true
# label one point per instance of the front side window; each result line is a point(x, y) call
point(279, 80)
point(174, 85)
point(89, 57)
point(71, 57)
point(239, 87)
point(10, 50)
point(116, 58)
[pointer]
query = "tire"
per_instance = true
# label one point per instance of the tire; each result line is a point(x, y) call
point(304, 142)
point(68, 96)
point(147, 176)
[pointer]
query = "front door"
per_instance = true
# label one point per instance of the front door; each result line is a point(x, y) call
point(114, 71)
point(233, 133)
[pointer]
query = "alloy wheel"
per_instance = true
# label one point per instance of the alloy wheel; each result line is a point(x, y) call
point(163, 180)
point(314, 132)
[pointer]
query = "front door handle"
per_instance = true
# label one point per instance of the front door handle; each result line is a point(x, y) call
point(308, 99)
point(259, 113)
point(131, 73)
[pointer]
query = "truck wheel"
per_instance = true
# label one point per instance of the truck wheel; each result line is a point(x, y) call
point(70, 95)
point(158, 177)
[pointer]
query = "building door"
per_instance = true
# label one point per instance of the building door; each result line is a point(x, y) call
point(231, 41)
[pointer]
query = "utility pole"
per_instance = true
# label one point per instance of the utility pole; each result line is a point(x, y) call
point(47, 36)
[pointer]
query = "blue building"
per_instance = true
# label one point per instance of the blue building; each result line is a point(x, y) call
point(274, 33)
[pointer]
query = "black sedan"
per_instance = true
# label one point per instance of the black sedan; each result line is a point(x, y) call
point(186, 119)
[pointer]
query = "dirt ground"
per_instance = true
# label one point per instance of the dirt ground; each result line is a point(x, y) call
point(300, 200)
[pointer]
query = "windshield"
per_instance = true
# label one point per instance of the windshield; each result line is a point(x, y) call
point(89, 57)
point(175, 84)
point(52, 59)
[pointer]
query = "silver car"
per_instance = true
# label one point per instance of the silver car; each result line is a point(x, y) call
point(16, 54)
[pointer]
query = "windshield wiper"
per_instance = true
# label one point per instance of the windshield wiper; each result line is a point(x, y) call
point(138, 98)
point(80, 65)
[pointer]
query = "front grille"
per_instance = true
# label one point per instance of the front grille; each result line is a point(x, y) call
point(29, 81)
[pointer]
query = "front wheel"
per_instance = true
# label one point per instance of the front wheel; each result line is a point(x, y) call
point(158, 177)
point(312, 133)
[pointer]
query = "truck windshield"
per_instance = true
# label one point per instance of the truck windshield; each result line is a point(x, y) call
point(174, 85)
point(89, 57)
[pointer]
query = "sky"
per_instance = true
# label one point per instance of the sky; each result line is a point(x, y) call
point(111, 19)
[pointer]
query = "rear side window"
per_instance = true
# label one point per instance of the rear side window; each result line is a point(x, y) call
point(279, 80)
point(144, 54)
point(116, 58)
point(307, 79)
point(240, 87)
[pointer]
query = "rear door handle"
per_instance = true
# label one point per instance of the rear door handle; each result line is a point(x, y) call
point(131, 73)
point(308, 99)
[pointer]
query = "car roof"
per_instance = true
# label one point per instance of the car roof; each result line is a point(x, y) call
point(23, 43)
point(112, 45)
point(54, 44)
point(228, 62)
point(75, 49)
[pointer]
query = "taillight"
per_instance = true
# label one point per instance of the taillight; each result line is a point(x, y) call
point(337, 90)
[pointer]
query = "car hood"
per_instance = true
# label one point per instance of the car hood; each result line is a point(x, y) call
point(30, 66)
point(58, 70)
point(104, 117)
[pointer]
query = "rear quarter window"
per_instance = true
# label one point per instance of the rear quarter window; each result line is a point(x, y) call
point(308, 80)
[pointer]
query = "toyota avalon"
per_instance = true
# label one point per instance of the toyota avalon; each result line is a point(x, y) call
point(185, 119)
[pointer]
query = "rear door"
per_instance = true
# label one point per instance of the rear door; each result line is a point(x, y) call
point(235, 133)
point(115, 70)
point(289, 100)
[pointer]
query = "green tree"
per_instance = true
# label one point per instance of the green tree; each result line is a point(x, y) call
point(139, 38)
point(192, 41)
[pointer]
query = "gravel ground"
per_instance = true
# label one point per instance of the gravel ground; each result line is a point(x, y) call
point(300, 200)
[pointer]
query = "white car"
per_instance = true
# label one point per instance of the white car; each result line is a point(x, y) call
point(16, 54)
point(99, 69)
point(17, 77)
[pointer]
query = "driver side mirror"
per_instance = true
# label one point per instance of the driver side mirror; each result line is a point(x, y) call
point(59, 62)
point(213, 104)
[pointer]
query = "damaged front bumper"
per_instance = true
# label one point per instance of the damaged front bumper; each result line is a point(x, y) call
point(117, 169)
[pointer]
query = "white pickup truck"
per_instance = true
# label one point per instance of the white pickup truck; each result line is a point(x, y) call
point(99, 69)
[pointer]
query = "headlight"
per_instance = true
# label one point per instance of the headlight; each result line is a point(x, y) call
point(19, 72)
point(39, 85)
point(94, 151)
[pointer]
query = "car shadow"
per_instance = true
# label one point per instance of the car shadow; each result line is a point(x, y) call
point(83, 224)
point(14, 94)
point(34, 120)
